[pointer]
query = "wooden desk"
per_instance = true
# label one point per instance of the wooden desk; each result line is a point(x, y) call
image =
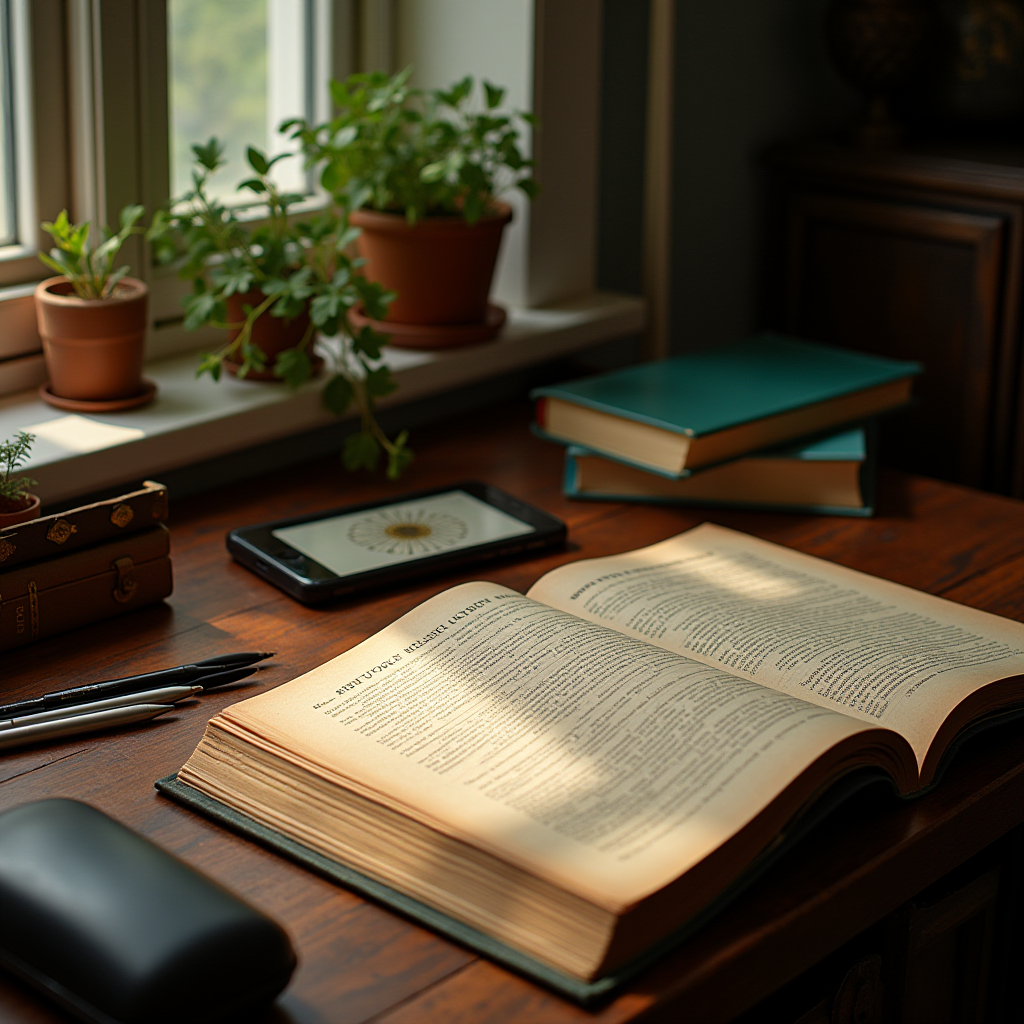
point(359, 961)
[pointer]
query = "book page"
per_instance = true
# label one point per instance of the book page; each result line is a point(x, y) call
point(841, 639)
point(592, 759)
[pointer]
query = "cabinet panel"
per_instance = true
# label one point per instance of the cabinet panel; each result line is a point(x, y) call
point(913, 252)
point(910, 282)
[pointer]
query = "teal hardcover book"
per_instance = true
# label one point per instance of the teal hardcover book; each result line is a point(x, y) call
point(830, 475)
point(696, 410)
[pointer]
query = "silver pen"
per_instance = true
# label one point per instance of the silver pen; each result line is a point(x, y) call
point(111, 718)
point(163, 695)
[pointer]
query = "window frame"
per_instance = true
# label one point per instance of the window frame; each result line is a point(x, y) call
point(113, 134)
point(41, 167)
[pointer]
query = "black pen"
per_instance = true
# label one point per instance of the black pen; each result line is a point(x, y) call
point(234, 660)
point(207, 676)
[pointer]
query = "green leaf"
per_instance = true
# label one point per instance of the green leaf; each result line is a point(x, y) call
point(361, 451)
point(399, 457)
point(434, 172)
point(209, 155)
point(60, 261)
point(130, 215)
point(346, 136)
point(375, 300)
point(112, 278)
point(211, 363)
point(495, 94)
point(337, 395)
point(294, 367)
point(201, 307)
point(233, 280)
point(253, 358)
point(255, 184)
point(324, 308)
point(529, 186)
point(473, 208)
point(257, 161)
point(369, 342)
point(379, 382)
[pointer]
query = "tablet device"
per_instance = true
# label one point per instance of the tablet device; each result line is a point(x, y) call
point(343, 551)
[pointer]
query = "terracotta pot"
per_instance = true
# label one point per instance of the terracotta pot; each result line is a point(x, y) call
point(271, 334)
point(22, 515)
point(93, 347)
point(440, 267)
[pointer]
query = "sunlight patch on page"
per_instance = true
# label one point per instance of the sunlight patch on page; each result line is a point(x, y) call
point(727, 573)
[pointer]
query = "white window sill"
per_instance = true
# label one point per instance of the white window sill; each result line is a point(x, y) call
point(192, 420)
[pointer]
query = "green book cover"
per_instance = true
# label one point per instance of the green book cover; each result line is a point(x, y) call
point(704, 392)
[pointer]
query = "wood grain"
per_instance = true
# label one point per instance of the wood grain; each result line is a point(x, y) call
point(914, 253)
point(359, 961)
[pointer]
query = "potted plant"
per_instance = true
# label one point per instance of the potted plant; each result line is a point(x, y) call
point(17, 504)
point(420, 172)
point(272, 285)
point(92, 319)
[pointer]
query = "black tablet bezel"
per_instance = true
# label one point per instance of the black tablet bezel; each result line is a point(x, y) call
point(308, 581)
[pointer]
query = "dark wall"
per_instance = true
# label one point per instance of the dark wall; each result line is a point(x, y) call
point(748, 73)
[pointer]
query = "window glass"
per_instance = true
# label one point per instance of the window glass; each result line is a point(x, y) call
point(237, 69)
point(8, 225)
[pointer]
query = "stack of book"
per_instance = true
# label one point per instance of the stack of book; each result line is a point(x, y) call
point(769, 422)
point(89, 563)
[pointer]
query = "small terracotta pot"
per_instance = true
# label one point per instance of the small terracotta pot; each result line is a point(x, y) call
point(93, 347)
point(441, 267)
point(271, 334)
point(22, 515)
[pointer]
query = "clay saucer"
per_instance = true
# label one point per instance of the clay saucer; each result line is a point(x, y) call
point(434, 336)
point(147, 394)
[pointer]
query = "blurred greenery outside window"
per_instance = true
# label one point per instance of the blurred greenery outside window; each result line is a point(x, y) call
point(237, 70)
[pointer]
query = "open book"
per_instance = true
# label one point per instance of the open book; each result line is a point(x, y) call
point(579, 772)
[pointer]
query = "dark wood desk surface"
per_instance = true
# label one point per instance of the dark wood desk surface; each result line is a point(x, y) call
point(359, 961)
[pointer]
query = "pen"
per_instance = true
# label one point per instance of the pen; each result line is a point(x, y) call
point(233, 660)
point(74, 724)
point(208, 678)
point(166, 695)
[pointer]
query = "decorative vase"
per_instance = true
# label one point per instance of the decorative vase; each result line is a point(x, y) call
point(19, 515)
point(878, 45)
point(93, 347)
point(440, 267)
point(271, 334)
point(980, 70)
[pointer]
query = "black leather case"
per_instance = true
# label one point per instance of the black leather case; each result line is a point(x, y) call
point(120, 932)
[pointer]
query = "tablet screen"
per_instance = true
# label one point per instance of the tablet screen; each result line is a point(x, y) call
point(392, 534)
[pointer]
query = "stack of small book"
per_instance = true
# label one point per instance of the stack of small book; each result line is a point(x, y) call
point(769, 422)
point(89, 563)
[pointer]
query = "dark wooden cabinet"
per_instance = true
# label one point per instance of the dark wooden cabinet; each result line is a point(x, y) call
point(950, 955)
point(915, 254)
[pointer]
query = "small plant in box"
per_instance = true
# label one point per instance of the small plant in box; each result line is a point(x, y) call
point(272, 284)
point(17, 503)
point(421, 172)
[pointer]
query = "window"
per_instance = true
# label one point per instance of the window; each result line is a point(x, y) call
point(33, 171)
point(118, 92)
point(236, 72)
point(8, 215)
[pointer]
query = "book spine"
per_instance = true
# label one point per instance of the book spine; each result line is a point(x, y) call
point(44, 612)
